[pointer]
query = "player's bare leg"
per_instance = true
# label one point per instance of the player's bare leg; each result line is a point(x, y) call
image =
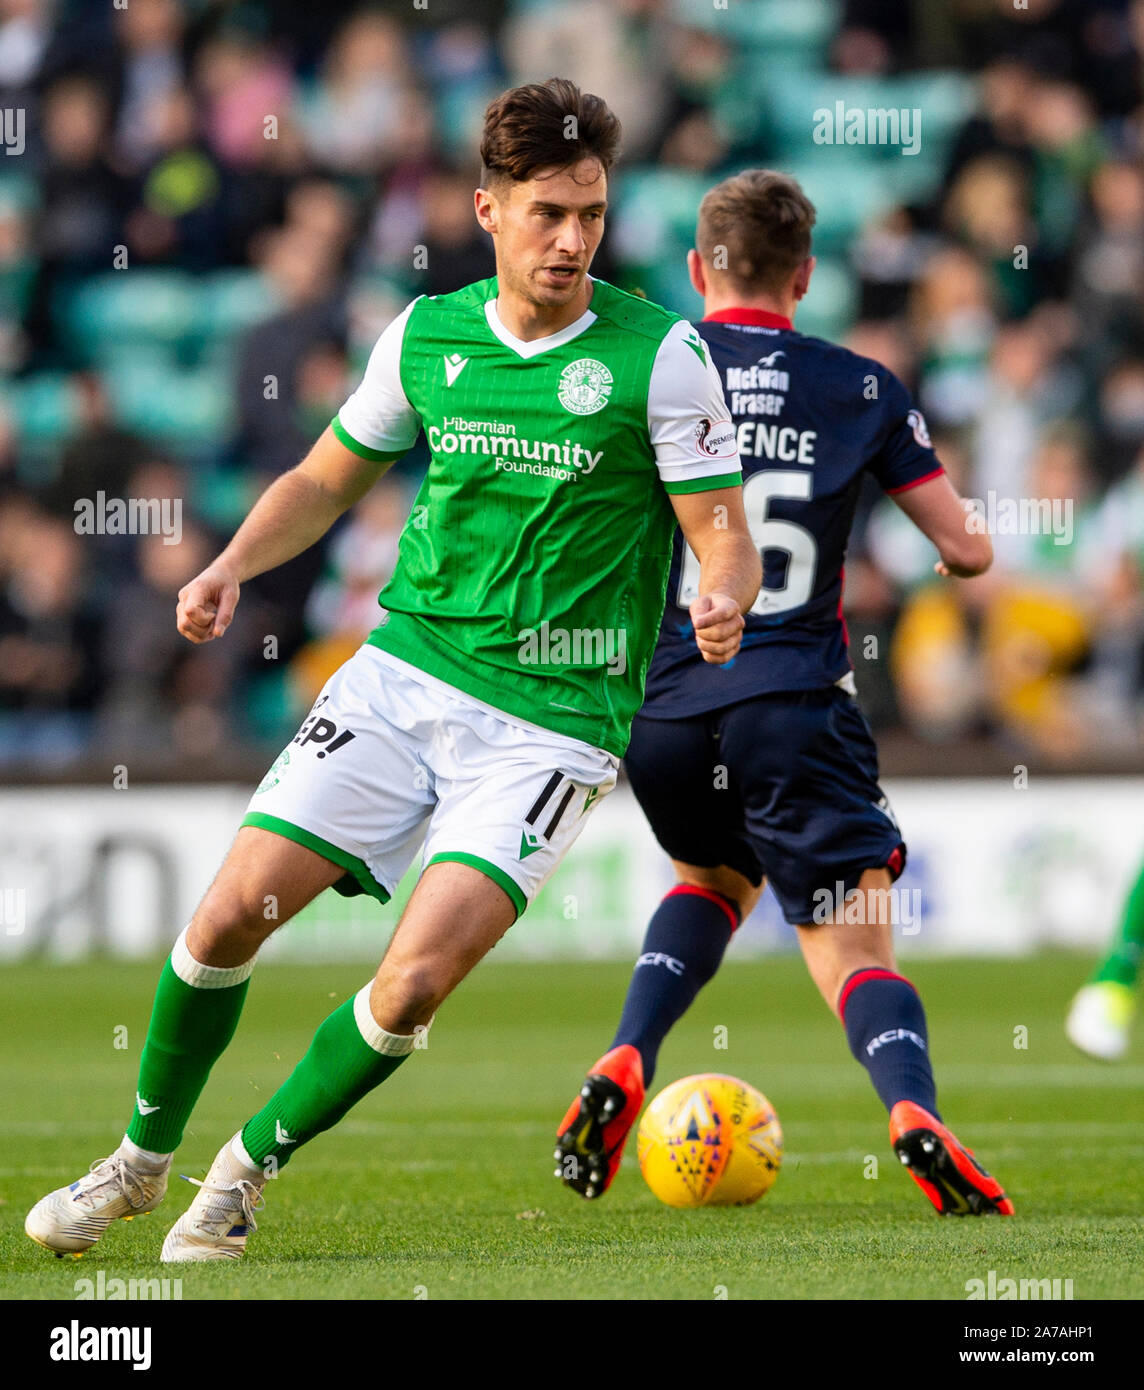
point(264, 880)
point(455, 916)
point(851, 960)
point(683, 946)
point(729, 882)
point(835, 949)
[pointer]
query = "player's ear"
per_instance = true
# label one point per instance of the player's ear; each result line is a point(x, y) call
point(484, 204)
point(802, 276)
point(695, 271)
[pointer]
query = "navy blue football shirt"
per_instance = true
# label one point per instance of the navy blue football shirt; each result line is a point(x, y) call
point(811, 418)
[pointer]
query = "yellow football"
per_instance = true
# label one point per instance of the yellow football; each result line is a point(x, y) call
point(710, 1141)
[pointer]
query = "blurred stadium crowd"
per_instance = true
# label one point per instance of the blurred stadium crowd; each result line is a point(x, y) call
point(209, 210)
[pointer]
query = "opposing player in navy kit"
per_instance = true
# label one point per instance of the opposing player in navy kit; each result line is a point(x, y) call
point(765, 768)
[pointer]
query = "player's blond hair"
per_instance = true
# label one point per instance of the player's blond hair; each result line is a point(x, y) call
point(754, 229)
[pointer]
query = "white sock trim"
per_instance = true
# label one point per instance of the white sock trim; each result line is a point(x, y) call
point(143, 1158)
point(388, 1044)
point(239, 1153)
point(193, 972)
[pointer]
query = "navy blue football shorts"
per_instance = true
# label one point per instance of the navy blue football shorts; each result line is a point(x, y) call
point(783, 785)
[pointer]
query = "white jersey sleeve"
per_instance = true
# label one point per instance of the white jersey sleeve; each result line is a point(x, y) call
point(377, 421)
point(690, 426)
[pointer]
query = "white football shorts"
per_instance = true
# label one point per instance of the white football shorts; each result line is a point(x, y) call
point(390, 756)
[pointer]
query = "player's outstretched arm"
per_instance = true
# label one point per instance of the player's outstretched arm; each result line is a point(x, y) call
point(295, 510)
point(947, 519)
point(730, 568)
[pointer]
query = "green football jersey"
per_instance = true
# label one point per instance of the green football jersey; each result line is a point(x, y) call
point(532, 569)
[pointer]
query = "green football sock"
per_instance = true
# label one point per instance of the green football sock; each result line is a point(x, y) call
point(349, 1056)
point(196, 1011)
point(1122, 964)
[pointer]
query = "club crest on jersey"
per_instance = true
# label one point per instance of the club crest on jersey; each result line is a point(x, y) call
point(714, 440)
point(585, 386)
point(275, 771)
point(917, 422)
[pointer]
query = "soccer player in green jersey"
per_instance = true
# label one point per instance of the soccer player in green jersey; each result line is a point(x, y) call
point(570, 427)
point(1100, 1017)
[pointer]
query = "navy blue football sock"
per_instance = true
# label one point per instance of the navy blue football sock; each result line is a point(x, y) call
point(886, 1026)
point(684, 944)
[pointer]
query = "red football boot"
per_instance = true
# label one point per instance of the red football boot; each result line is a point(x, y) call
point(945, 1170)
point(593, 1132)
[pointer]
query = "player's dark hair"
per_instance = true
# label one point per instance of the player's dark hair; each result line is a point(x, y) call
point(755, 229)
point(546, 125)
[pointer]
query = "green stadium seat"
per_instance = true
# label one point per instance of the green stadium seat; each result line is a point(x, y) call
point(516, 8)
point(791, 96)
point(133, 315)
point(831, 303)
point(18, 193)
point(44, 408)
point(188, 409)
point(666, 199)
point(17, 280)
point(846, 191)
point(19, 198)
point(223, 496)
point(773, 27)
point(269, 706)
point(151, 306)
point(946, 100)
point(653, 228)
point(458, 113)
point(231, 301)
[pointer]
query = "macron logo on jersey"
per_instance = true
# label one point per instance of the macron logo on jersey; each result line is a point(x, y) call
point(695, 343)
point(455, 364)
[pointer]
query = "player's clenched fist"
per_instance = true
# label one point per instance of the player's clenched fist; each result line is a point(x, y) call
point(718, 627)
point(207, 603)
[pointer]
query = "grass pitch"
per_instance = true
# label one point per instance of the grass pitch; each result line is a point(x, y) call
point(440, 1183)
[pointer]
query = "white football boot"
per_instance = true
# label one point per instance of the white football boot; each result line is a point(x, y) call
point(71, 1219)
point(216, 1224)
point(1100, 1020)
